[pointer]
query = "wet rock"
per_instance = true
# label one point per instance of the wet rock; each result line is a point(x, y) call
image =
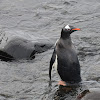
point(69, 92)
point(22, 47)
point(92, 94)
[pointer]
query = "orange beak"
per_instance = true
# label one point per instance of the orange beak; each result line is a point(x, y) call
point(77, 29)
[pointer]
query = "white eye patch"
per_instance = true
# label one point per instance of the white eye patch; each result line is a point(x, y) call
point(67, 27)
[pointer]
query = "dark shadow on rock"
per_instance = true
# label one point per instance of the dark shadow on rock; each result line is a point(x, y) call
point(5, 57)
point(32, 56)
point(82, 94)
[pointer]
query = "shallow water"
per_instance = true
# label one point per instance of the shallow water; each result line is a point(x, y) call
point(28, 80)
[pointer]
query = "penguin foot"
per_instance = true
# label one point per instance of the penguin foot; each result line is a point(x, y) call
point(62, 83)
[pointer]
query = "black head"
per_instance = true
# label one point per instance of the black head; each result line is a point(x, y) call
point(67, 30)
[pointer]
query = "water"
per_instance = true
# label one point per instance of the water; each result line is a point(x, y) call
point(28, 80)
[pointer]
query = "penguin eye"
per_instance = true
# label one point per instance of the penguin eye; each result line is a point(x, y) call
point(68, 29)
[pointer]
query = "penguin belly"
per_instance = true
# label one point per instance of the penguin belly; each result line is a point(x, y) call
point(55, 66)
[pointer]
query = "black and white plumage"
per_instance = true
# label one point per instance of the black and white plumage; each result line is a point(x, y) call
point(64, 57)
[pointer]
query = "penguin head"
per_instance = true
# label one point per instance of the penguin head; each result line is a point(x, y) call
point(67, 30)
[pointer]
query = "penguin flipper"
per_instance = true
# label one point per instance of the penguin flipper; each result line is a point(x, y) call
point(52, 62)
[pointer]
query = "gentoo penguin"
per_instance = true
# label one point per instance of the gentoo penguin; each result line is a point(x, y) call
point(64, 58)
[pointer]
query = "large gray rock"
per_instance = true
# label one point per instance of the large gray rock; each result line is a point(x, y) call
point(18, 45)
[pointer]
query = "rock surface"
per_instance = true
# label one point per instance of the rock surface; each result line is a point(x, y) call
point(18, 45)
point(91, 94)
